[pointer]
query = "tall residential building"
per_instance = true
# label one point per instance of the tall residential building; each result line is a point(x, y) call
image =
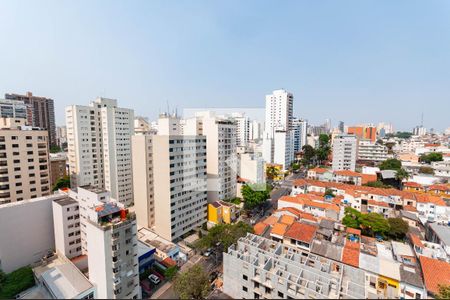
point(283, 148)
point(99, 145)
point(170, 186)
point(24, 161)
point(242, 130)
point(58, 168)
point(141, 124)
point(66, 224)
point(255, 131)
point(368, 132)
point(43, 113)
point(341, 127)
point(344, 152)
point(372, 152)
point(299, 127)
point(419, 130)
point(13, 109)
point(279, 110)
point(61, 136)
point(221, 159)
point(251, 167)
point(108, 235)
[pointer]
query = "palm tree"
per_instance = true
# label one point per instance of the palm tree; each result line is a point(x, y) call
point(401, 175)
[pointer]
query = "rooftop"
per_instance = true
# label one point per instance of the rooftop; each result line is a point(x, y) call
point(442, 231)
point(301, 232)
point(65, 201)
point(63, 278)
point(430, 268)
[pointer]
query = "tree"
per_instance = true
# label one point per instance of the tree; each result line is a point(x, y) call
point(373, 223)
point(308, 155)
point(254, 195)
point(170, 272)
point(63, 182)
point(426, 170)
point(391, 164)
point(398, 228)
point(430, 157)
point(16, 282)
point(55, 149)
point(272, 172)
point(324, 148)
point(377, 184)
point(193, 284)
point(225, 234)
point(351, 218)
point(401, 174)
point(295, 166)
point(329, 192)
point(444, 292)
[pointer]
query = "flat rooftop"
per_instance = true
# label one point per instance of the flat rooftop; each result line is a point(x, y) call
point(93, 189)
point(150, 238)
point(63, 279)
point(442, 231)
point(65, 201)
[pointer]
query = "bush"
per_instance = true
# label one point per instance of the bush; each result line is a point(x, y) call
point(16, 282)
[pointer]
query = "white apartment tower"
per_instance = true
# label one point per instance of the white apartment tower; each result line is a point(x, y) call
point(344, 152)
point(99, 145)
point(299, 127)
point(220, 136)
point(278, 127)
point(108, 235)
point(66, 221)
point(170, 191)
point(242, 130)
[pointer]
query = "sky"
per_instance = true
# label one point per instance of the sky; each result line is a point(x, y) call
point(355, 61)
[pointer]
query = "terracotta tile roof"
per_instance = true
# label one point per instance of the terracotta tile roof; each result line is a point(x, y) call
point(301, 232)
point(365, 178)
point(377, 203)
point(270, 220)
point(425, 198)
point(412, 184)
point(439, 187)
point(279, 229)
point(299, 182)
point(308, 216)
point(435, 272)
point(287, 219)
point(300, 214)
point(416, 240)
point(432, 145)
point(168, 262)
point(347, 173)
point(319, 170)
point(410, 208)
point(260, 228)
point(350, 253)
point(310, 200)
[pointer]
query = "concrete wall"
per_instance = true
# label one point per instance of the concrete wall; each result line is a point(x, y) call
point(26, 232)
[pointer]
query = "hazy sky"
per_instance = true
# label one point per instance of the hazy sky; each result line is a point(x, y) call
point(356, 61)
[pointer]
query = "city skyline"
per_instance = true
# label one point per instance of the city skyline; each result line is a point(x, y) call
point(219, 54)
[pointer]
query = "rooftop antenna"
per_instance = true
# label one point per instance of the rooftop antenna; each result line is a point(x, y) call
point(168, 111)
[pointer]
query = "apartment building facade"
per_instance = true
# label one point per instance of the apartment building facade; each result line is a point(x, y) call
point(371, 151)
point(221, 154)
point(67, 231)
point(41, 113)
point(99, 146)
point(24, 161)
point(344, 152)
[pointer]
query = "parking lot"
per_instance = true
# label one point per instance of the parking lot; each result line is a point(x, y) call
point(148, 287)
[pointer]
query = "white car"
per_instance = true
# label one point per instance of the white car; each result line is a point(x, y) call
point(154, 279)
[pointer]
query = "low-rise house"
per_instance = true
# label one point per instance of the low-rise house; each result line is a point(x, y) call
point(435, 273)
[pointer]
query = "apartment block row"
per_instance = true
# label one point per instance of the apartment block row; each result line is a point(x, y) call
point(80, 243)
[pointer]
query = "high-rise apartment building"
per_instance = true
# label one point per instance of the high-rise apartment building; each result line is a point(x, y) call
point(220, 136)
point(242, 130)
point(61, 136)
point(419, 130)
point(13, 109)
point(41, 113)
point(371, 152)
point(341, 127)
point(255, 131)
point(344, 152)
point(58, 169)
point(108, 235)
point(24, 161)
point(279, 110)
point(368, 132)
point(99, 145)
point(170, 186)
point(66, 224)
point(299, 127)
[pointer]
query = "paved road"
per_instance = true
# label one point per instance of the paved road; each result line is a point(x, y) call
point(284, 189)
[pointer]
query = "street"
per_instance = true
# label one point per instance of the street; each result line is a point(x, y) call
point(284, 188)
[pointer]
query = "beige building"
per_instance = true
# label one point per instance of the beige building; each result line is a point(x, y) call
point(170, 191)
point(220, 136)
point(24, 161)
point(58, 168)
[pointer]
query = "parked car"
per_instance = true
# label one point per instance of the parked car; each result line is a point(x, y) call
point(154, 279)
point(207, 252)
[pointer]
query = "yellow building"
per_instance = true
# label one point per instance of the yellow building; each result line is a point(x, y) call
point(277, 174)
point(221, 212)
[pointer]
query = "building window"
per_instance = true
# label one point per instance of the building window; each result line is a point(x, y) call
point(244, 288)
point(280, 295)
point(244, 277)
